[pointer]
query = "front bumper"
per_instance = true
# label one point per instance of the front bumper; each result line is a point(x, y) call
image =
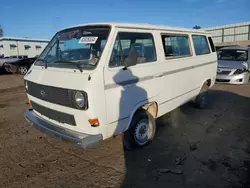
point(12, 69)
point(76, 138)
point(233, 79)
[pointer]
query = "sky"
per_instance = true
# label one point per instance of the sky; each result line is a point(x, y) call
point(42, 18)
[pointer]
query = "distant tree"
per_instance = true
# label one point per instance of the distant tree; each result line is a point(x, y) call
point(197, 27)
point(1, 31)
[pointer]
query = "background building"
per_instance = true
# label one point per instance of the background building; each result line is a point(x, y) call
point(233, 34)
point(14, 46)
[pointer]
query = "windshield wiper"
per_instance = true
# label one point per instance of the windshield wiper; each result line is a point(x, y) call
point(70, 62)
point(45, 62)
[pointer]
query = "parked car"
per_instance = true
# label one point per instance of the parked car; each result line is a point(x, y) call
point(233, 65)
point(6, 59)
point(21, 66)
point(11, 59)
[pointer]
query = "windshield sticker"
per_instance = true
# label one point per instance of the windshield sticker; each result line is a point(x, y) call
point(240, 51)
point(88, 40)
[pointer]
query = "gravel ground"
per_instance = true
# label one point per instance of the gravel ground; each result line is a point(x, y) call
point(193, 148)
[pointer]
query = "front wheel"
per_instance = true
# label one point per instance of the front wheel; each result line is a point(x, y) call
point(23, 70)
point(141, 130)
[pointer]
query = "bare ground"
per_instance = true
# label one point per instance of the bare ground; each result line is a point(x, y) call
point(212, 148)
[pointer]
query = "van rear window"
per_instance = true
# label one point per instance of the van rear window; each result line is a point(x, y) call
point(176, 46)
point(211, 44)
point(200, 44)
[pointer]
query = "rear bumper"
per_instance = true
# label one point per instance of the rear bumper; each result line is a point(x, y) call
point(233, 79)
point(76, 138)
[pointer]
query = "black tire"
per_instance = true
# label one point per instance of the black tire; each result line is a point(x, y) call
point(202, 100)
point(136, 129)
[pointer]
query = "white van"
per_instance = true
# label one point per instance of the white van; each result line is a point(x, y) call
point(95, 81)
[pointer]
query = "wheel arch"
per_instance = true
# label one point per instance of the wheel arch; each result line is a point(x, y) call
point(149, 106)
point(208, 82)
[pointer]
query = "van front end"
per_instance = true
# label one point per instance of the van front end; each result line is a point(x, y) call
point(55, 111)
point(65, 86)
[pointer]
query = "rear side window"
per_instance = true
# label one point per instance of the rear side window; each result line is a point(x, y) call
point(143, 43)
point(211, 44)
point(176, 46)
point(200, 45)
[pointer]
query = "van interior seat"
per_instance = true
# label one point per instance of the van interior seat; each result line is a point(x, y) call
point(169, 50)
point(139, 47)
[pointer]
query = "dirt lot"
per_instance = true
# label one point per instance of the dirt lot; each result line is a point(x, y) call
point(212, 148)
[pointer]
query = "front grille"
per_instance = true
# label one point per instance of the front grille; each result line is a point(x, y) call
point(224, 72)
point(221, 80)
point(53, 114)
point(51, 94)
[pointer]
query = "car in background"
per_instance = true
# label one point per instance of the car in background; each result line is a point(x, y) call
point(7, 59)
point(19, 66)
point(233, 65)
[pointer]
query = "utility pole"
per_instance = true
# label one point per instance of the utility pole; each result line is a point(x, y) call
point(17, 48)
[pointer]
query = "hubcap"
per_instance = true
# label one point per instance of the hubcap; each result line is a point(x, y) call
point(141, 132)
point(23, 70)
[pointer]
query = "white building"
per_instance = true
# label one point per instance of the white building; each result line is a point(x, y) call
point(15, 46)
point(233, 34)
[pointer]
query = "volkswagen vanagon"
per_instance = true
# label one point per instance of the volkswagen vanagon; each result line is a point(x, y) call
point(95, 81)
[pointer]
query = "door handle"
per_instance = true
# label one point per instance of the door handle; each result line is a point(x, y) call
point(158, 75)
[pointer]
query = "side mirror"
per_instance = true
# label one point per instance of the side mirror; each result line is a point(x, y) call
point(132, 58)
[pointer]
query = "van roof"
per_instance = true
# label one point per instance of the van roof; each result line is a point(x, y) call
point(144, 26)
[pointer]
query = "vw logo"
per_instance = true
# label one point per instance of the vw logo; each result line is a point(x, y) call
point(42, 92)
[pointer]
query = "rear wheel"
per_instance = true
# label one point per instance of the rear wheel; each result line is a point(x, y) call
point(202, 100)
point(141, 130)
point(23, 70)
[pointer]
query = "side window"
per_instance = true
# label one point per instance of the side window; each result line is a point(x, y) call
point(103, 42)
point(176, 46)
point(200, 44)
point(143, 43)
point(211, 44)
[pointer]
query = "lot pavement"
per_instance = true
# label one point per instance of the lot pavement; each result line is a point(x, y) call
point(193, 148)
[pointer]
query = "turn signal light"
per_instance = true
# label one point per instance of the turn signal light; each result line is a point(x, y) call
point(28, 101)
point(94, 122)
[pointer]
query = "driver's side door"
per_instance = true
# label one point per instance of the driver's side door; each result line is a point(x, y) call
point(129, 87)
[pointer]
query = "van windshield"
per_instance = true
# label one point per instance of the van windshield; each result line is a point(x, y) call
point(78, 47)
point(233, 55)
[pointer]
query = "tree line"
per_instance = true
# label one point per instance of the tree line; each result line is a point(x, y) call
point(1, 31)
point(197, 27)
